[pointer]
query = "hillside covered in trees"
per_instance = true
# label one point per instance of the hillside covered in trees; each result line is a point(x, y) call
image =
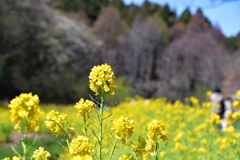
point(48, 47)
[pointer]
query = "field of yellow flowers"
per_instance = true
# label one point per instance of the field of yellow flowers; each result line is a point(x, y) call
point(137, 128)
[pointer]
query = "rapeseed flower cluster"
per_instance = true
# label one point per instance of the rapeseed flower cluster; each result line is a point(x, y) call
point(25, 106)
point(58, 124)
point(84, 107)
point(156, 131)
point(209, 93)
point(156, 128)
point(41, 154)
point(235, 104)
point(81, 149)
point(192, 130)
point(123, 127)
point(102, 77)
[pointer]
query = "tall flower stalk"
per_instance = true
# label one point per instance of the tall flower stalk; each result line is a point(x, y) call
point(156, 132)
point(101, 81)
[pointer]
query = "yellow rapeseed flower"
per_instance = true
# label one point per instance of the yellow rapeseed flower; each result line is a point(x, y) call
point(102, 77)
point(202, 150)
point(206, 105)
point(84, 107)
point(213, 119)
point(80, 147)
point(229, 129)
point(56, 123)
point(156, 127)
point(233, 141)
point(25, 106)
point(193, 150)
point(178, 137)
point(41, 154)
point(194, 100)
point(235, 104)
point(235, 115)
point(149, 149)
point(84, 157)
point(204, 141)
point(123, 127)
point(208, 93)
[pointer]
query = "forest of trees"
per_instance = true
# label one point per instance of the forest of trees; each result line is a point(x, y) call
point(48, 47)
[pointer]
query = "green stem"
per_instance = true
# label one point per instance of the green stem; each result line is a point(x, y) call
point(16, 152)
point(67, 141)
point(100, 137)
point(114, 147)
point(65, 134)
point(25, 141)
point(157, 146)
point(132, 154)
point(156, 151)
point(85, 124)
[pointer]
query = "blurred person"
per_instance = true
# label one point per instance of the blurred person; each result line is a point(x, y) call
point(221, 106)
point(216, 98)
point(225, 109)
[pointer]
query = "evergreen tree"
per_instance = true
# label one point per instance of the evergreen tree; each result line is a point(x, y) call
point(149, 8)
point(185, 16)
point(168, 16)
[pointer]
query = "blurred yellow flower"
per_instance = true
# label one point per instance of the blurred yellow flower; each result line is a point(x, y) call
point(156, 127)
point(235, 104)
point(80, 147)
point(56, 123)
point(193, 150)
point(206, 105)
point(149, 149)
point(235, 115)
point(41, 154)
point(83, 157)
point(204, 141)
point(229, 129)
point(178, 137)
point(150, 146)
point(25, 106)
point(194, 100)
point(202, 150)
point(84, 107)
point(123, 127)
point(102, 77)
point(233, 141)
point(208, 93)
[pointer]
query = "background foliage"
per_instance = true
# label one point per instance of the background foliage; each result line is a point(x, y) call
point(49, 46)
